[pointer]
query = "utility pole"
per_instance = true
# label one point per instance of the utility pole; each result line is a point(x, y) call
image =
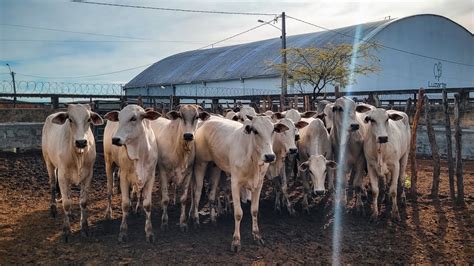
point(284, 74)
point(14, 85)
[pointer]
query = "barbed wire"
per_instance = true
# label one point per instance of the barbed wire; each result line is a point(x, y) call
point(224, 91)
point(48, 87)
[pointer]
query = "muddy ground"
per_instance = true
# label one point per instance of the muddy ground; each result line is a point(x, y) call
point(430, 231)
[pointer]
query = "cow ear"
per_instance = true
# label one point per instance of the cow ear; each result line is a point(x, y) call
point(204, 115)
point(395, 116)
point(280, 128)
point(250, 117)
point(278, 115)
point(248, 129)
point(331, 164)
point(151, 115)
point(236, 109)
point(362, 108)
point(235, 118)
point(96, 119)
point(173, 115)
point(308, 114)
point(304, 166)
point(112, 116)
point(149, 109)
point(226, 111)
point(301, 124)
point(367, 119)
point(321, 116)
point(60, 118)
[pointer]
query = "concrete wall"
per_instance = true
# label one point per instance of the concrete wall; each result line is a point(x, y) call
point(28, 136)
point(20, 135)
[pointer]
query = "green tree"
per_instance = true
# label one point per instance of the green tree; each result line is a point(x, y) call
point(330, 64)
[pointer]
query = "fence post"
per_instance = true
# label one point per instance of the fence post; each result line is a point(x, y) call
point(282, 103)
point(408, 107)
point(458, 140)
point(434, 148)
point(449, 144)
point(55, 102)
point(416, 118)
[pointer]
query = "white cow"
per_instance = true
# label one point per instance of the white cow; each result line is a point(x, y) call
point(244, 151)
point(347, 139)
point(68, 147)
point(175, 138)
point(137, 143)
point(314, 140)
point(386, 148)
point(318, 167)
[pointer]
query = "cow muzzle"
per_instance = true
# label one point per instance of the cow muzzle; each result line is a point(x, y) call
point(116, 142)
point(383, 139)
point(354, 127)
point(81, 144)
point(293, 151)
point(188, 136)
point(268, 158)
point(317, 193)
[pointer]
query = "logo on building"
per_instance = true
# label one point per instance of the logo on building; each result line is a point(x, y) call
point(437, 73)
point(437, 70)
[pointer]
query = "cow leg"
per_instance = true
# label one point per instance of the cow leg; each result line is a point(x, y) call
point(83, 202)
point(147, 196)
point(238, 214)
point(183, 223)
point(52, 184)
point(116, 180)
point(402, 177)
point(199, 171)
point(306, 191)
point(277, 187)
point(254, 210)
point(215, 178)
point(174, 190)
point(358, 185)
point(124, 187)
point(393, 191)
point(284, 190)
point(374, 183)
point(164, 200)
point(227, 192)
point(109, 171)
point(65, 195)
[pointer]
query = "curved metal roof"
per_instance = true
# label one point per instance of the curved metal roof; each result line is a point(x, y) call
point(249, 60)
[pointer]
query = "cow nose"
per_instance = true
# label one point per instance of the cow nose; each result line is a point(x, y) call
point(383, 139)
point(297, 137)
point(82, 143)
point(269, 158)
point(188, 136)
point(116, 141)
point(354, 127)
point(329, 130)
point(318, 193)
point(293, 151)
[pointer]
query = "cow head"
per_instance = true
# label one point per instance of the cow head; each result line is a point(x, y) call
point(327, 116)
point(133, 120)
point(79, 117)
point(286, 140)
point(244, 112)
point(318, 167)
point(344, 113)
point(262, 130)
point(187, 115)
point(231, 115)
point(378, 120)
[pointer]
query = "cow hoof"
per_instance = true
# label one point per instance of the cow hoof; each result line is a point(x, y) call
point(85, 231)
point(374, 218)
point(123, 237)
point(164, 227)
point(197, 225)
point(53, 211)
point(184, 227)
point(292, 212)
point(66, 235)
point(214, 221)
point(306, 210)
point(150, 238)
point(259, 239)
point(235, 246)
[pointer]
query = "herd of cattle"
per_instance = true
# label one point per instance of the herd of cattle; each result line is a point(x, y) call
point(342, 139)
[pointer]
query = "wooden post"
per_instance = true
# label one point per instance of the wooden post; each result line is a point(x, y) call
point(434, 148)
point(449, 145)
point(408, 107)
point(458, 144)
point(416, 118)
point(282, 103)
point(306, 103)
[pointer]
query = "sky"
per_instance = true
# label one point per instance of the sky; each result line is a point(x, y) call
point(139, 37)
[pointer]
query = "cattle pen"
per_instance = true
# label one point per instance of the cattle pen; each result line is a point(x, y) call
point(436, 224)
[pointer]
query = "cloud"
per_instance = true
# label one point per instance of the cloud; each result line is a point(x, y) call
point(193, 30)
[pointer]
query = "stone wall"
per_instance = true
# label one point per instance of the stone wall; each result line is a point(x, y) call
point(20, 135)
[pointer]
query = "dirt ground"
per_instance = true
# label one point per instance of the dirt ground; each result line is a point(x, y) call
point(430, 231)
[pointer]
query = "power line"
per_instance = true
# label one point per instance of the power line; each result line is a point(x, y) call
point(235, 35)
point(177, 9)
point(105, 41)
point(379, 44)
point(88, 76)
point(69, 31)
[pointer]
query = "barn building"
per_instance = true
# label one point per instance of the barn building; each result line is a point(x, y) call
point(409, 59)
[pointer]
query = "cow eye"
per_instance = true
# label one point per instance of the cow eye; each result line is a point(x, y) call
point(134, 118)
point(70, 120)
point(255, 131)
point(89, 120)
